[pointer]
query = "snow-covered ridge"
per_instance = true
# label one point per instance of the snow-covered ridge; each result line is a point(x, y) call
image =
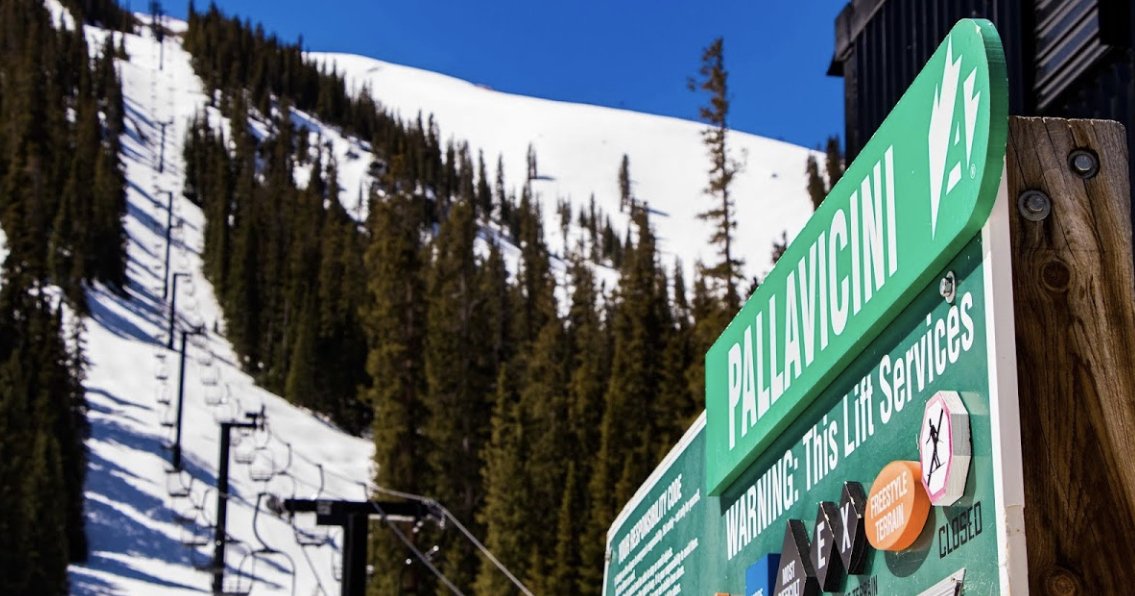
point(579, 149)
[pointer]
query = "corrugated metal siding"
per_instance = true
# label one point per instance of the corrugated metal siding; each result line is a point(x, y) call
point(888, 48)
point(882, 44)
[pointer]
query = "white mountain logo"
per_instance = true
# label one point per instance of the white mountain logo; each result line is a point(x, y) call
point(945, 136)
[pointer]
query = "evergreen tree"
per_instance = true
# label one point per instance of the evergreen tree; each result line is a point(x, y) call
point(833, 161)
point(44, 458)
point(590, 368)
point(544, 415)
point(528, 402)
point(533, 173)
point(506, 491)
point(627, 450)
point(676, 405)
point(818, 186)
point(721, 171)
point(459, 378)
point(394, 320)
point(484, 192)
point(626, 200)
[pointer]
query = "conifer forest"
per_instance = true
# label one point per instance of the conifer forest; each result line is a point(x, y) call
point(524, 392)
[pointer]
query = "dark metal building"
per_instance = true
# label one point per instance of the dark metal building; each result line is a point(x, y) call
point(1067, 58)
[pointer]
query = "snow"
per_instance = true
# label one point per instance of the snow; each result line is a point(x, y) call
point(136, 539)
point(579, 149)
point(136, 543)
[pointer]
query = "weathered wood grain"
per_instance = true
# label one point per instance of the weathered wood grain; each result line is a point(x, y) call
point(1074, 294)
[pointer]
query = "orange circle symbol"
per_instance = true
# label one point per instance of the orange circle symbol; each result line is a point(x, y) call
point(897, 507)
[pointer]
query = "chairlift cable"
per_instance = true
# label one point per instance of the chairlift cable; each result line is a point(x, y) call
point(461, 527)
point(410, 545)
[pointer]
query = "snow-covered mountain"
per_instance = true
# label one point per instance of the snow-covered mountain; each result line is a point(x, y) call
point(150, 529)
point(580, 147)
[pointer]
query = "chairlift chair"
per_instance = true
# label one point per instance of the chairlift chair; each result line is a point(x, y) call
point(185, 513)
point(282, 468)
point(197, 340)
point(262, 435)
point(194, 319)
point(236, 586)
point(247, 565)
point(263, 466)
point(228, 411)
point(245, 452)
point(169, 417)
point(195, 535)
point(283, 485)
point(164, 394)
point(214, 395)
point(168, 438)
point(161, 373)
point(315, 535)
point(176, 484)
point(206, 507)
point(205, 357)
point(209, 376)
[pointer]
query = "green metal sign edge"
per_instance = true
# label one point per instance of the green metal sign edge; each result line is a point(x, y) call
point(720, 471)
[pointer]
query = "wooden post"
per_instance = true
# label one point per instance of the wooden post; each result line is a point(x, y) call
point(1074, 295)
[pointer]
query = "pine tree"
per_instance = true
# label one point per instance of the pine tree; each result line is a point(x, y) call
point(459, 377)
point(506, 491)
point(544, 414)
point(626, 200)
point(563, 578)
point(590, 368)
point(676, 406)
point(818, 186)
point(529, 399)
point(499, 190)
point(44, 457)
point(627, 450)
point(484, 192)
point(722, 169)
point(833, 161)
point(533, 173)
point(395, 324)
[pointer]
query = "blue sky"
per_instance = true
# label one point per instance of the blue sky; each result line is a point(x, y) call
point(635, 54)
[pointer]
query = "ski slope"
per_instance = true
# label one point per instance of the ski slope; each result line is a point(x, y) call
point(137, 530)
point(150, 529)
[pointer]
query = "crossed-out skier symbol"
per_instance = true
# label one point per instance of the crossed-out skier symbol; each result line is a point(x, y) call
point(935, 462)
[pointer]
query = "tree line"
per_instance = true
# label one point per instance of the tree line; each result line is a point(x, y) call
point(62, 200)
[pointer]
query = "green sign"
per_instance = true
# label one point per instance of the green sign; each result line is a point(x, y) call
point(919, 191)
point(674, 538)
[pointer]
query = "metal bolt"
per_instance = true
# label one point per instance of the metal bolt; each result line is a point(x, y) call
point(1084, 162)
point(1034, 205)
point(948, 287)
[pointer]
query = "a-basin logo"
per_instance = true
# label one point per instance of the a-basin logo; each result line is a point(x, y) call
point(946, 130)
